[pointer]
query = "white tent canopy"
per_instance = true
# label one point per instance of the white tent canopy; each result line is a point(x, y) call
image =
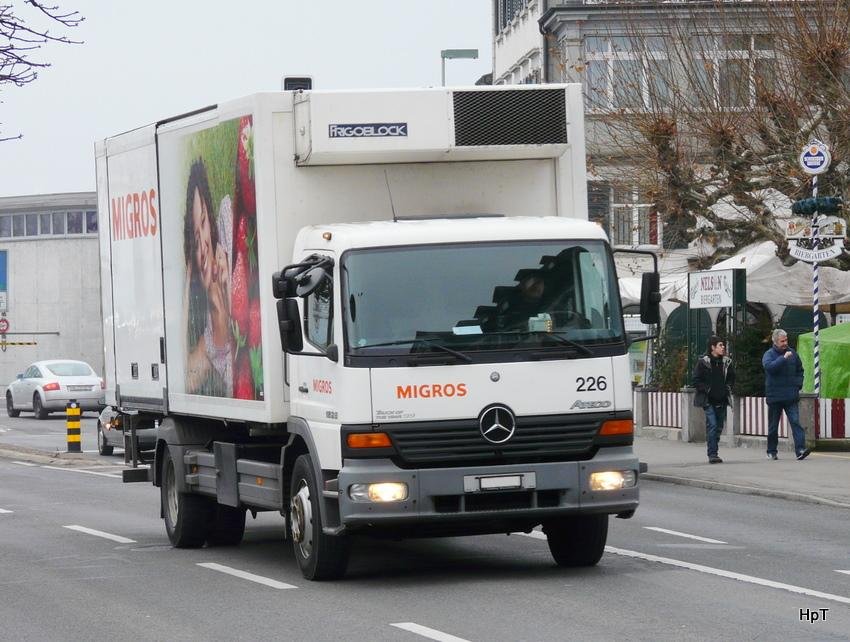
point(768, 281)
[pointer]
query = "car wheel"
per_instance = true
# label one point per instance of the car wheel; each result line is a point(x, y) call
point(102, 446)
point(10, 406)
point(38, 408)
point(319, 556)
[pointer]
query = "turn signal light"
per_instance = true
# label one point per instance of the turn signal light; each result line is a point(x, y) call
point(617, 427)
point(48, 387)
point(369, 440)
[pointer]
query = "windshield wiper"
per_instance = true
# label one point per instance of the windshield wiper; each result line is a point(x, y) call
point(557, 336)
point(413, 342)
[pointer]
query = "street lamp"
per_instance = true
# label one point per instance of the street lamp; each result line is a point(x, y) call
point(456, 53)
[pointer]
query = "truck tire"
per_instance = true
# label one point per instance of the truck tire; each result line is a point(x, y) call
point(319, 556)
point(187, 517)
point(102, 446)
point(578, 540)
point(228, 526)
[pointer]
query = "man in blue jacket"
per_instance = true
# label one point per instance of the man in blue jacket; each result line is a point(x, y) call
point(783, 380)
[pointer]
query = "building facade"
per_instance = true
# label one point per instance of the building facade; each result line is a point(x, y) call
point(50, 293)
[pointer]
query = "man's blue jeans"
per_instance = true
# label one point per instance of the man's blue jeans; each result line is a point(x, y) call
point(715, 418)
point(774, 414)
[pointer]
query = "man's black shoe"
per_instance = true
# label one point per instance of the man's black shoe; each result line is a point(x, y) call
point(773, 456)
point(803, 454)
point(715, 460)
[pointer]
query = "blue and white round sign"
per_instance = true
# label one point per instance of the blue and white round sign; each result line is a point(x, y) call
point(815, 158)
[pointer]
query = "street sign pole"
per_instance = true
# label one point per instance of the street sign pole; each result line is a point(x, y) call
point(815, 159)
point(815, 298)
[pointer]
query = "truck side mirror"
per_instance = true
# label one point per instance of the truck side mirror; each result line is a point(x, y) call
point(289, 324)
point(310, 281)
point(650, 298)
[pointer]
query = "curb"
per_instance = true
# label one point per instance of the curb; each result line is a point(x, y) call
point(744, 490)
point(21, 453)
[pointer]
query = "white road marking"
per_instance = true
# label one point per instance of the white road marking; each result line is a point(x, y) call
point(715, 571)
point(91, 531)
point(259, 579)
point(425, 632)
point(729, 574)
point(24, 463)
point(679, 534)
point(3, 511)
point(82, 471)
point(845, 572)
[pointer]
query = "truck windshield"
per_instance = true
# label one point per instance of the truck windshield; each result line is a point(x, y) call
point(468, 301)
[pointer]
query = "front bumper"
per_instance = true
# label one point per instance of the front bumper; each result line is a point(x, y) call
point(439, 496)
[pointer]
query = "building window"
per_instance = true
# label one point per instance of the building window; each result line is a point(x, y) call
point(91, 222)
point(58, 223)
point(624, 213)
point(32, 224)
point(75, 222)
point(44, 223)
point(507, 11)
point(5, 226)
point(728, 70)
point(19, 225)
point(626, 73)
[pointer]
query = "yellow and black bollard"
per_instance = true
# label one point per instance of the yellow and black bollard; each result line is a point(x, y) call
point(72, 419)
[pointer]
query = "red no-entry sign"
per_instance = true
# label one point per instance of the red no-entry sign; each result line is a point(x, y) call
point(4, 325)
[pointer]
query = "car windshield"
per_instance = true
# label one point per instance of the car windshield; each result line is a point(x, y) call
point(483, 297)
point(69, 369)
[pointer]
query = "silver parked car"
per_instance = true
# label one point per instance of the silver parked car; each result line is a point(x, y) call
point(48, 386)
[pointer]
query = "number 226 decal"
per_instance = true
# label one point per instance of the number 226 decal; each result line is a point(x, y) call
point(590, 384)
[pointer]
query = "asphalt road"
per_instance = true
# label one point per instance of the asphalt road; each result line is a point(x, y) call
point(49, 434)
point(769, 559)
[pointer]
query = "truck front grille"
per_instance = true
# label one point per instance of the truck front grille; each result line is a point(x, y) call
point(452, 443)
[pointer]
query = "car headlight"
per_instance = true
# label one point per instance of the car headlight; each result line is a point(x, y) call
point(380, 492)
point(612, 479)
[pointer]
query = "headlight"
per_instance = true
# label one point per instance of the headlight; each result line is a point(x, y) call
point(381, 492)
point(612, 480)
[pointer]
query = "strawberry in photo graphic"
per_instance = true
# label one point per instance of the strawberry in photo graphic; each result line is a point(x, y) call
point(245, 166)
point(243, 385)
point(239, 292)
point(254, 332)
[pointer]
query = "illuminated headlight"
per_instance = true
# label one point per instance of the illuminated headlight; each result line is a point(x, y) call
point(382, 492)
point(612, 480)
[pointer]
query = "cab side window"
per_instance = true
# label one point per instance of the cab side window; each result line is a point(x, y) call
point(318, 316)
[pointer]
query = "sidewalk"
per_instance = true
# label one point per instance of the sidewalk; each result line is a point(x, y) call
point(822, 478)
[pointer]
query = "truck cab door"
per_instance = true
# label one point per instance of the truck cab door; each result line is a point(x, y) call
point(314, 375)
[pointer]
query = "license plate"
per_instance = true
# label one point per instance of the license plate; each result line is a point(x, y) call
point(501, 482)
point(80, 388)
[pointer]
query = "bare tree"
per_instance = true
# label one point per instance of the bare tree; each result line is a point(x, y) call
point(711, 121)
point(23, 34)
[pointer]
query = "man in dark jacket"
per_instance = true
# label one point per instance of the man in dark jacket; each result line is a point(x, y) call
point(713, 378)
point(783, 379)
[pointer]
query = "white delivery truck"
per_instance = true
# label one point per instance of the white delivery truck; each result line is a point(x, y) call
point(374, 312)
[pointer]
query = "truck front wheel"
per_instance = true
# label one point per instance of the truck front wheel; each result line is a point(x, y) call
point(187, 517)
point(578, 540)
point(319, 556)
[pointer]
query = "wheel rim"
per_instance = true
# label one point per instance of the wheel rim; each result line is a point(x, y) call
point(36, 404)
point(170, 493)
point(9, 405)
point(302, 520)
point(99, 437)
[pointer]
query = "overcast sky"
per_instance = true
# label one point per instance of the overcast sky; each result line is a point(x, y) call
point(144, 61)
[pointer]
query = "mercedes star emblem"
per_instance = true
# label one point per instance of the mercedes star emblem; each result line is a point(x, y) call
point(498, 424)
